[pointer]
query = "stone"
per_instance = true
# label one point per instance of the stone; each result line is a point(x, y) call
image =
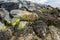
point(6, 34)
point(4, 14)
point(40, 28)
point(25, 20)
point(22, 25)
point(57, 23)
point(54, 32)
point(15, 21)
point(2, 26)
point(24, 15)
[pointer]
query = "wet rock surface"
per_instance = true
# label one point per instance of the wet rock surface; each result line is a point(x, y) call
point(29, 21)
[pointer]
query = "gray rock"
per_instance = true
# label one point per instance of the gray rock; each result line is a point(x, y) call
point(2, 26)
point(40, 28)
point(24, 15)
point(4, 14)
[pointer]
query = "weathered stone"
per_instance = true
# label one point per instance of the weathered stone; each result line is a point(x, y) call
point(2, 26)
point(28, 21)
point(57, 23)
point(9, 5)
point(4, 15)
point(6, 34)
point(54, 32)
point(49, 37)
point(15, 21)
point(22, 25)
point(40, 28)
point(24, 15)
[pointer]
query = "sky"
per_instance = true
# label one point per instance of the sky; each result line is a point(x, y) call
point(39, 1)
point(53, 3)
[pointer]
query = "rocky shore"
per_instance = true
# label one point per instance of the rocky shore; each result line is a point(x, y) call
point(29, 21)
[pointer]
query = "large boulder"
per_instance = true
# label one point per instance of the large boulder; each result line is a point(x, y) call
point(24, 15)
point(40, 28)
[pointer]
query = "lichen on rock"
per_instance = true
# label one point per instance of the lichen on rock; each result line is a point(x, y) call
point(29, 21)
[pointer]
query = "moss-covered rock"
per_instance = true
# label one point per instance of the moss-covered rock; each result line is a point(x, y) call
point(22, 25)
point(14, 22)
point(30, 21)
point(2, 26)
point(24, 15)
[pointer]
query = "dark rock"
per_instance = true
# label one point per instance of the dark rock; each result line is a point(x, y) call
point(9, 5)
point(57, 23)
point(40, 28)
point(5, 35)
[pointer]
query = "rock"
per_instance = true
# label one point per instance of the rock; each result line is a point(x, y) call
point(49, 37)
point(57, 23)
point(22, 25)
point(40, 28)
point(24, 15)
point(29, 37)
point(25, 20)
point(26, 33)
point(15, 21)
point(4, 15)
point(54, 32)
point(47, 14)
point(9, 5)
point(5, 35)
point(2, 26)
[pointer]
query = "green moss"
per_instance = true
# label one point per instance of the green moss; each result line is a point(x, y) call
point(15, 22)
point(22, 24)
